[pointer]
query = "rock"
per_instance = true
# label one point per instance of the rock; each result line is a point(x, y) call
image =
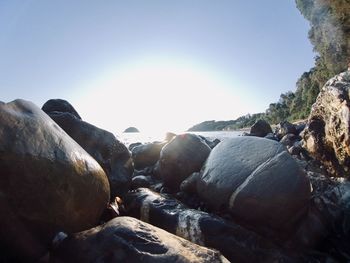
point(327, 226)
point(131, 129)
point(141, 181)
point(189, 185)
point(235, 242)
point(60, 106)
point(133, 145)
point(115, 208)
point(169, 136)
point(182, 156)
point(246, 174)
point(271, 136)
point(260, 128)
point(283, 128)
point(289, 139)
point(327, 135)
point(214, 143)
point(146, 154)
point(111, 154)
point(295, 150)
point(210, 143)
point(146, 171)
point(126, 239)
point(48, 182)
point(300, 127)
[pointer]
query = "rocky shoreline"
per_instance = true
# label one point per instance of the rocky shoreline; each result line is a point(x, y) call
point(71, 192)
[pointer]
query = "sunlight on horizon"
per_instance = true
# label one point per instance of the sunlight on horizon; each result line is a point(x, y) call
point(159, 96)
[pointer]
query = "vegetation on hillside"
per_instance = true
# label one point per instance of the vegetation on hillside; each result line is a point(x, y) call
point(330, 36)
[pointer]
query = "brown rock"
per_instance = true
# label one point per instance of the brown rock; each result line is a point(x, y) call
point(48, 182)
point(327, 134)
point(126, 239)
point(111, 154)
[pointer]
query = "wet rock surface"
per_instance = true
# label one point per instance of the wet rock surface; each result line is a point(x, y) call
point(111, 154)
point(145, 155)
point(141, 181)
point(48, 182)
point(126, 239)
point(235, 242)
point(246, 174)
point(182, 156)
point(326, 135)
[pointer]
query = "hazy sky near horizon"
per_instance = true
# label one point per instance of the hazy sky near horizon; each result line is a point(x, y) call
point(156, 65)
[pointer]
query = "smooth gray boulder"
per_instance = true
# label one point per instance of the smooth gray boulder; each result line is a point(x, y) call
point(126, 239)
point(182, 156)
point(111, 154)
point(48, 182)
point(256, 180)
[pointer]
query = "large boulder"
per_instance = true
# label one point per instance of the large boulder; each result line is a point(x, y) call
point(260, 128)
point(60, 106)
point(145, 155)
point(126, 239)
point(182, 156)
point(111, 154)
point(246, 174)
point(48, 183)
point(236, 243)
point(327, 134)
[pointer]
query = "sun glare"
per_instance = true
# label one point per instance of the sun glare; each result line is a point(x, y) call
point(157, 97)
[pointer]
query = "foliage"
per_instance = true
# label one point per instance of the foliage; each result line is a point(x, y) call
point(330, 36)
point(211, 126)
point(329, 33)
point(241, 122)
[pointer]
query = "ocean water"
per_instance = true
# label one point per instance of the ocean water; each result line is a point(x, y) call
point(128, 138)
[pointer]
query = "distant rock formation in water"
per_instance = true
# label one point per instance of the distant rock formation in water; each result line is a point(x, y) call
point(131, 129)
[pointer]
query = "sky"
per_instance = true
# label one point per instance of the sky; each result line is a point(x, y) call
point(158, 65)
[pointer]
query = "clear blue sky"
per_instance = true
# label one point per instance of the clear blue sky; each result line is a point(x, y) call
point(166, 64)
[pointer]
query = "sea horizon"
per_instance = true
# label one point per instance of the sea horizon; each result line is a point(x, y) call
point(146, 137)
